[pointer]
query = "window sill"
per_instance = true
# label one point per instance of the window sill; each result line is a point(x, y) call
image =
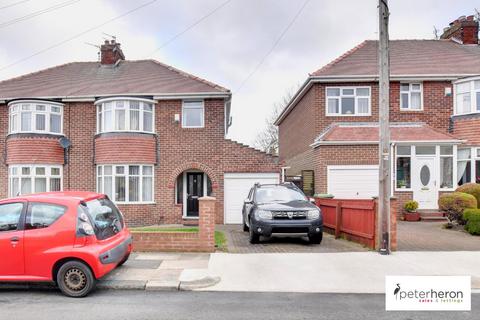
point(134, 203)
point(403, 190)
point(189, 218)
point(348, 115)
point(411, 110)
point(36, 133)
point(183, 127)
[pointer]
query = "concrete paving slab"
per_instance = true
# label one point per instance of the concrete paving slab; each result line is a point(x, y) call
point(167, 274)
point(141, 264)
point(184, 264)
point(131, 274)
point(157, 256)
point(122, 284)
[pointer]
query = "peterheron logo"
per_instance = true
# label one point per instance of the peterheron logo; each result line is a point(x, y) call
point(427, 293)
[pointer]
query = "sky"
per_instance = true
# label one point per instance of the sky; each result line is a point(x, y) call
point(225, 47)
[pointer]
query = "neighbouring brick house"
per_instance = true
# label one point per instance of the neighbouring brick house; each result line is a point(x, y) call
point(150, 136)
point(328, 133)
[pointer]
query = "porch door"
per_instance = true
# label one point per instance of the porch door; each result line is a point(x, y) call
point(425, 190)
point(194, 191)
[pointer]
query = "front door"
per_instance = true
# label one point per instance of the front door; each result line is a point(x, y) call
point(194, 191)
point(425, 190)
point(11, 240)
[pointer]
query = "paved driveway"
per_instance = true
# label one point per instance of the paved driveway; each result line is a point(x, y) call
point(238, 243)
point(430, 236)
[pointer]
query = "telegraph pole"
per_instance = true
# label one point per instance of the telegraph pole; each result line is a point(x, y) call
point(384, 144)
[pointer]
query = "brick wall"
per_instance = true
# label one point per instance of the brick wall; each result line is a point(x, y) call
point(467, 128)
point(201, 241)
point(34, 149)
point(125, 148)
point(3, 164)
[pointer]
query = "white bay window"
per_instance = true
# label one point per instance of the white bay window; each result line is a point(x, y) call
point(125, 114)
point(126, 183)
point(26, 179)
point(35, 117)
point(348, 101)
point(467, 97)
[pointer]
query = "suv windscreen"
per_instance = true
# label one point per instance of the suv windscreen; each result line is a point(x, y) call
point(107, 219)
point(278, 194)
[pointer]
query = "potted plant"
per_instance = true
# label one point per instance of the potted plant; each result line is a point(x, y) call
point(411, 213)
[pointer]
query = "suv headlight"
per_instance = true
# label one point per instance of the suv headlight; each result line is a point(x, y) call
point(313, 214)
point(264, 214)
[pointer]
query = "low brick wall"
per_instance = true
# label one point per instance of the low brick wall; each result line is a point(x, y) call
point(201, 241)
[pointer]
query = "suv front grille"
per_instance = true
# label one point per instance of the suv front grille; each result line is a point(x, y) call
point(289, 214)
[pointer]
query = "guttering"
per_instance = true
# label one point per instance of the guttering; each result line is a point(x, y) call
point(99, 101)
point(156, 96)
point(363, 78)
point(34, 101)
point(353, 143)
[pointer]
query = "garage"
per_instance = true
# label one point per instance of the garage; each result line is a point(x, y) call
point(353, 182)
point(236, 188)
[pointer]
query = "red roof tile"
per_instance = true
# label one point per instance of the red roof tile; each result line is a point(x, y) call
point(408, 57)
point(93, 79)
point(368, 132)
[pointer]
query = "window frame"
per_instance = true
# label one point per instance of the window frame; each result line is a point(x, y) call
point(409, 92)
point(32, 176)
point(203, 113)
point(410, 156)
point(123, 103)
point(16, 109)
point(355, 96)
point(454, 167)
point(126, 175)
point(473, 96)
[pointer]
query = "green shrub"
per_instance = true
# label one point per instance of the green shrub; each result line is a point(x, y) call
point(471, 188)
point(473, 225)
point(468, 213)
point(411, 206)
point(454, 204)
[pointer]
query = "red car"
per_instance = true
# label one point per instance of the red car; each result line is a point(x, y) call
point(70, 238)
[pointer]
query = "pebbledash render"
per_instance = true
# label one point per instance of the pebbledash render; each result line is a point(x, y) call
point(328, 133)
point(150, 136)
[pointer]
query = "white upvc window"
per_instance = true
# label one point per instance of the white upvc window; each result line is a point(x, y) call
point(126, 183)
point(35, 117)
point(411, 96)
point(467, 97)
point(348, 101)
point(403, 168)
point(125, 114)
point(446, 167)
point(26, 179)
point(193, 114)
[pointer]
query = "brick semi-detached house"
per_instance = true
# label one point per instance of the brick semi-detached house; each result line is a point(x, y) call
point(151, 137)
point(328, 133)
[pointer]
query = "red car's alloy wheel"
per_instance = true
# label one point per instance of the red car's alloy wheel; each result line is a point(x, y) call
point(75, 279)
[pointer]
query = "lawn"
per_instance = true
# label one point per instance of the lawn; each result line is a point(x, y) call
point(220, 239)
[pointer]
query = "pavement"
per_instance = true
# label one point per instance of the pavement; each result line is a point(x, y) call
point(160, 271)
point(120, 304)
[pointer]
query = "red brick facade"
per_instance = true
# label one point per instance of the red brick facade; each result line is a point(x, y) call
point(467, 128)
point(172, 150)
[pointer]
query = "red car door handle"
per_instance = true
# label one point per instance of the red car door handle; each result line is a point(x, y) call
point(14, 239)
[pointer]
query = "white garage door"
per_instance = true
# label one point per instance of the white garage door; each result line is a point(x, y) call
point(236, 189)
point(353, 182)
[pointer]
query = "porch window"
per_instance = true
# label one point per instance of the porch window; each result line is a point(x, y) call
point(127, 114)
point(446, 167)
point(411, 96)
point(348, 101)
point(403, 167)
point(477, 167)
point(464, 166)
point(126, 183)
point(193, 113)
point(25, 179)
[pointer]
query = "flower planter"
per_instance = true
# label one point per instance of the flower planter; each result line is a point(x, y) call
point(412, 216)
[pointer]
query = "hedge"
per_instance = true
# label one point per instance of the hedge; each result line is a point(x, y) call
point(471, 188)
point(454, 204)
point(473, 225)
point(468, 213)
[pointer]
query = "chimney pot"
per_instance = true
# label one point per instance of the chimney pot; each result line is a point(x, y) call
point(463, 30)
point(111, 53)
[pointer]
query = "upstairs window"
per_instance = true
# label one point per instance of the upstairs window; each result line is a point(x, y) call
point(411, 96)
point(193, 113)
point(117, 115)
point(35, 117)
point(348, 101)
point(467, 97)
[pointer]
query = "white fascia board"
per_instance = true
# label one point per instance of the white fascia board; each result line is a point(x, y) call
point(203, 95)
point(353, 143)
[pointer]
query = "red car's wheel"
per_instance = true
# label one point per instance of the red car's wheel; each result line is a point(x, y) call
point(75, 279)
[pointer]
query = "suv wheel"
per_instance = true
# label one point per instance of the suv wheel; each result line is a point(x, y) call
point(253, 236)
point(75, 279)
point(315, 239)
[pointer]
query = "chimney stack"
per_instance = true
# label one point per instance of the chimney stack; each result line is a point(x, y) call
point(464, 30)
point(111, 53)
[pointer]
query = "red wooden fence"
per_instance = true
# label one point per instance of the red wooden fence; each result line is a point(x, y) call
point(354, 220)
